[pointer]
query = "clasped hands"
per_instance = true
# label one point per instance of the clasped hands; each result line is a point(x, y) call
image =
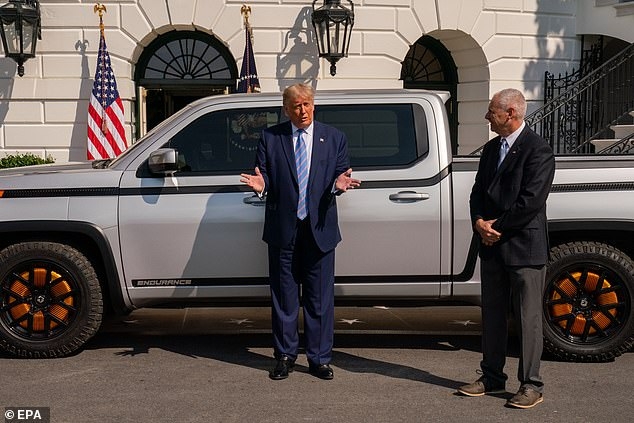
point(343, 183)
point(488, 235)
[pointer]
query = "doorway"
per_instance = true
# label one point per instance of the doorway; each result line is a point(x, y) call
point(161, 103)
point(429, 65)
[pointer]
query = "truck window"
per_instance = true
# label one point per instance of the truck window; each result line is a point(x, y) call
point(379, 135)
point(223, 142)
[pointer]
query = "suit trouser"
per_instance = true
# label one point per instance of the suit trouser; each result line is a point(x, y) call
point(302, 263)
point(520, 288)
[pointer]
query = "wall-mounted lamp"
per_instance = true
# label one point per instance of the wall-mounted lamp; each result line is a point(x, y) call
point(20, 24)
point(333, 26)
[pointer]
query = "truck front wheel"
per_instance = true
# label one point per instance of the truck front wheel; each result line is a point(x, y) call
point(50, 300)
point(588, 302)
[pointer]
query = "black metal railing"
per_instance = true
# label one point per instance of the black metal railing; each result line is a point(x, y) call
point(588, 107)
point(591, 59)
point(607, 132)
point(623, 146)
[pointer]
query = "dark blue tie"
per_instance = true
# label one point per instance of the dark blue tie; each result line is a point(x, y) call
point(301, 162)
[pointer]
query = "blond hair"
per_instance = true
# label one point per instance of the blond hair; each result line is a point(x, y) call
point(297, 90)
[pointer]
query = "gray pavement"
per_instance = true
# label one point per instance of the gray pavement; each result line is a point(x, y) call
point(211, 365)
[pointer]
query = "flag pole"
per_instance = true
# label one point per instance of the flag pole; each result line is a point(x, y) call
point(248, 81)
point(106, 118)
point(246, 11)
point(101, 8)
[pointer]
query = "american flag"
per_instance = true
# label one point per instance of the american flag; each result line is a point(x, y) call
point(248, 82)
point(106, 135)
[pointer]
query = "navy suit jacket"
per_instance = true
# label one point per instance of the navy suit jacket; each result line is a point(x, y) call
point(276, 160)
point(515, 195)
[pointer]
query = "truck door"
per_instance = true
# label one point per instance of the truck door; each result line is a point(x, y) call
point(391, 226)
point(199, 229)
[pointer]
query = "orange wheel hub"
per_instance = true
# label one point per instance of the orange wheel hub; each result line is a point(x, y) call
point(583, 303)
point(39, 300)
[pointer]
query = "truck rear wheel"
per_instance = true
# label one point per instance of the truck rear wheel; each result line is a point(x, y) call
point(50, 300)
point(588, 302)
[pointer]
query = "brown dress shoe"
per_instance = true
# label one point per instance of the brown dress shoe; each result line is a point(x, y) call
point(481, 387)
point(525, 398)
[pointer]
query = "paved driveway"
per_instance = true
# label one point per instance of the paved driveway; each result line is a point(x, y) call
point(211, 365)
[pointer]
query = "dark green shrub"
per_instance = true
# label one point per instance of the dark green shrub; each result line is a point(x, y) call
point(25, 159)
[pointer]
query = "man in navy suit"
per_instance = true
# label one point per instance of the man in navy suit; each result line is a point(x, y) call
point(301, 166)
point(508, 212)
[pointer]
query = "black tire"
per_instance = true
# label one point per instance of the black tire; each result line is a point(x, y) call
point(588, 302)
point(50, 300)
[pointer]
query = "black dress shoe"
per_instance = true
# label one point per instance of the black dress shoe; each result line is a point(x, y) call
point(322, 371)
point(283, 367)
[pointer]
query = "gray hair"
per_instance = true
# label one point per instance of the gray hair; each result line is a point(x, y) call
point(512, 98)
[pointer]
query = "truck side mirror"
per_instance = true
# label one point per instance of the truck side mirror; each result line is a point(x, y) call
point(163, 161)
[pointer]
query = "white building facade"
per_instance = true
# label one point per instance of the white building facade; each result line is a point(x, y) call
point(476, 47)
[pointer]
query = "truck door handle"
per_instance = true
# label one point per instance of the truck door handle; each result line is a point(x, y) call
point(408, 197)
point(254, 200)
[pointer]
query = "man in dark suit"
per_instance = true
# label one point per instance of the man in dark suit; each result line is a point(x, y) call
point(508, 212)
point(301, 166)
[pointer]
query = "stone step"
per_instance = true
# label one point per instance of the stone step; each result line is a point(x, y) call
point(600, 144)
point(622, 131)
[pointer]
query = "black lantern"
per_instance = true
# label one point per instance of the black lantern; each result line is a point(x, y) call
point(21, 28)
point(333, 26)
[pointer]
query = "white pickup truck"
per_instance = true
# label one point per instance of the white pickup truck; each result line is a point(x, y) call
point(167, 224)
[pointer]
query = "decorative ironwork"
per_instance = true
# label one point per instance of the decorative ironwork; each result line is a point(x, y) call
point(566, 129)
point(623, 146)
point(604, 133)
point(586, 108)
point(591, 59)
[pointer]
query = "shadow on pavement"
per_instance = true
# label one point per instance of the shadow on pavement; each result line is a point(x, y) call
point(358, 364)
point(238, 349)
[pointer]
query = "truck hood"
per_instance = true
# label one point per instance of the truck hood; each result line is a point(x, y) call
point(70, 175)
point(45, 168)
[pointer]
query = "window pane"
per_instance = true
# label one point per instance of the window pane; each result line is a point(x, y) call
point(225, 142)
point(222, 142)
point(378, 135)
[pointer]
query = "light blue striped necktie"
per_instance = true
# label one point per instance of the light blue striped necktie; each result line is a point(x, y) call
point(301, 162)
point(504, 148)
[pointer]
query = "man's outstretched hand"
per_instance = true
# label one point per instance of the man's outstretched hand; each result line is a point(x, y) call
point(345, 181)
point(256, 182)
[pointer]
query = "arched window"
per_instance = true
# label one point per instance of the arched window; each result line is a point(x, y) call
point(177, 68)
point(181, 58)
point(429, 65)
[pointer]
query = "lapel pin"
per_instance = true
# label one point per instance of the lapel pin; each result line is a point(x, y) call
point(321, 140)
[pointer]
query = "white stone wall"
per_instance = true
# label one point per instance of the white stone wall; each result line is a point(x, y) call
point(606, 17)
point(495, 44)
